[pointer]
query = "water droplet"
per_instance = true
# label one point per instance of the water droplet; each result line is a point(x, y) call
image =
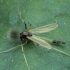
point(4, 37)
point(16, 65)
point(5, 60)
point(43, 6)
point(29, 7)
point(12, 60)
point(24, 10)
point(38, 66)
point(62, 33)
point(36, 7)
point(1, 1)
point(29, 51)
point(64, 23)
point(5, 22)
point(7, 3)
point(56, 17)
point(30, 0)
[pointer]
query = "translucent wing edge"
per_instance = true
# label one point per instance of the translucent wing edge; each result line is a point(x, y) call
point(40, 42)
point(45, 28)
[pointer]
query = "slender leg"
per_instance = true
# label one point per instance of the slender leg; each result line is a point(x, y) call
point(61, 52)
point(11, 48)
point(20, 13)
point(30, 26)
point(25, 26)
point(25, 57)
point(35, 43)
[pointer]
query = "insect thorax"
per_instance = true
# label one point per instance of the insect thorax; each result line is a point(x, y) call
point(24, 35)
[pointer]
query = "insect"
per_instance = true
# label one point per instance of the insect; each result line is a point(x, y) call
point(29, 35)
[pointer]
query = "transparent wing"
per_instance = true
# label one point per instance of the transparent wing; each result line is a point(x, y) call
point(43, 29)
point(40, 42)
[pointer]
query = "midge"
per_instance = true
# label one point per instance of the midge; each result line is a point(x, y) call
point(29, 35)
point(24, 35)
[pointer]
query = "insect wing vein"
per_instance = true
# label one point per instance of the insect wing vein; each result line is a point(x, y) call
point(40, 42)
point(45, 28)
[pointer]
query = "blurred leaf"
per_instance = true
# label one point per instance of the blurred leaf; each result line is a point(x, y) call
point(38, 13)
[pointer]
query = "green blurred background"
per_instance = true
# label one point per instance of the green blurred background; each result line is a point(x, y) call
point(38, 13)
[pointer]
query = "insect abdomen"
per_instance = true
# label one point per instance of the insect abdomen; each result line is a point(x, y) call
point(58, 42)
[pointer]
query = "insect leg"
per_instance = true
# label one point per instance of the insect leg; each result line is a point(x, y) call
point(61, 52)
point(29, 26)
point(25, 57)
point(35, 43)
point(25, 25)
point(20, 13)
point(20, 16)
point(11, 49)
